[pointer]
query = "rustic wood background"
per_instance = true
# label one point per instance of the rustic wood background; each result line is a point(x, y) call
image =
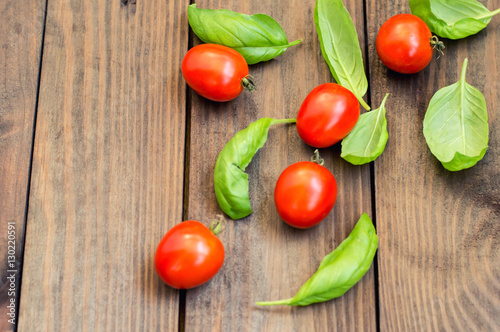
point(103, 148)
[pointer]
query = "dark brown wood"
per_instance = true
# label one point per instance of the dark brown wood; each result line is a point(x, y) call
point(265, 258)
point(439, 263)
point(108, 161)
point(21, 27)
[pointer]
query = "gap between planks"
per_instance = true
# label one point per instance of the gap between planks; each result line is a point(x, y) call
point(372, 168)
point(30, 167)
point(185, 198)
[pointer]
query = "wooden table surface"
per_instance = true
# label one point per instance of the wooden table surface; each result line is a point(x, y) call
point(103, 148)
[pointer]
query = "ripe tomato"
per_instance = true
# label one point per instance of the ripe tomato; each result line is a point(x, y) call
point(405, 44)
point(188, 255)
point(216, 72)
point(305, 193)
point(327, 115)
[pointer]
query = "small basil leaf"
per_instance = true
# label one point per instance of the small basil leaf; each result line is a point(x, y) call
point(340, 46)
point(341, 269)
point(230, 179)
point(257, 37)
point(368, 138)
point(456, 125)
point(453, 19)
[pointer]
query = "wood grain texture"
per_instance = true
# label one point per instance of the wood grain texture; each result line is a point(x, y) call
point(439, 253)
point(266, 259)
point(107, 175)
point(21, 24)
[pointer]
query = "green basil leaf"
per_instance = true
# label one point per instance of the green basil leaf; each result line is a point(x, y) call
point(453, 19)
point(340, 46)
point(341, 269)
point(368, 138)
point(230, 179)
point(456, 125)
point(257, 37)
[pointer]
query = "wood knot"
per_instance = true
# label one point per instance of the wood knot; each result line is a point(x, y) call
point(126, 2)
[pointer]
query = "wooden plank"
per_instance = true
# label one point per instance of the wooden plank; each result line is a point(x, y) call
point(107, 177)
point(439, 263)
point(266, 259)
point(21, 43)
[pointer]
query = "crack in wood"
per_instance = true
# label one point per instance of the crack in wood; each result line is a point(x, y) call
point(126, 2)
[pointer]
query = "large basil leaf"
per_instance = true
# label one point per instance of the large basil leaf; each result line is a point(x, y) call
point(456, 125)
point(340, 46)
point(257, 37)
point(341, 269)
point(230, 179)
point(453, 19)
point(368, 138)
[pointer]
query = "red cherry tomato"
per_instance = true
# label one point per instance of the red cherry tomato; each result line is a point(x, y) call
point(188, 255)
point(305, 193)
point(405, 44)
point(216, 72)
point(327, 115)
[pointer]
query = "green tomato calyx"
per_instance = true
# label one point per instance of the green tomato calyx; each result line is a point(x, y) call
point(248, 83)
point(216, 225)
point(437, 45)
point(316, 158)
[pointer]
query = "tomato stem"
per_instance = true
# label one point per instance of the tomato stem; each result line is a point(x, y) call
point(248, 83)
point(216, 225)
point(317, 159)
point(437, 45)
